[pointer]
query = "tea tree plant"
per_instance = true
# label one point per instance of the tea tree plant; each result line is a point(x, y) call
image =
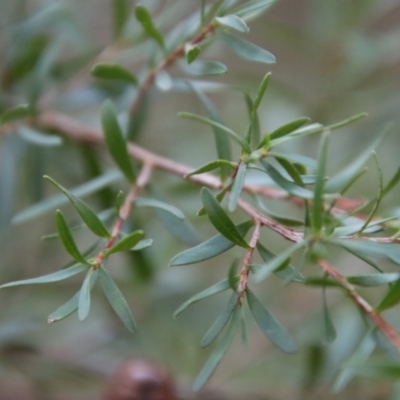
point(330, 222)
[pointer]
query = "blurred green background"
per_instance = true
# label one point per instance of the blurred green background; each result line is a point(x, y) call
point(335, 58)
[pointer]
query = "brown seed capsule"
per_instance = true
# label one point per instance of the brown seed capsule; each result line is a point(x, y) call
point(141, 380)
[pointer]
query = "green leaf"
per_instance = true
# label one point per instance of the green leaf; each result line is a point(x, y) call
point(53, 277)
point(121, 10)
point(237, 187)
point(222, 142)
point(328, 329)
point(364, 258)
point(211, 166)
point(219, 197)
point(191, 53)
point(144, 202)
point(115, 141)
point(271, 328)
point(221, 128)
point(234, 22)
point(392, 183)
point(391, 299)
point(87, 214)
point(360, 356)
point(210, 291)
point(67, 239)
point(291, 170)
point(341, 179)
point(35, 137)
point(252, 8)
point(144, 17)
point(204, 68)
point(65, 310)
point(277, 262)
point(289, 128)
point(282, 219)
point(143, 244)
point(84, 294)
point(285, 184)
point(288, 273)
point(210, 248)
point(318, 202)
point(373, 279)
point(247, 50)
point(220, 322)
point(216, 356)
point(377, 370)
point(352, 229)
point(296, 159)
point(220, 219)
point(114, 72)
point(117, 300)
point(16, 113)
point(127, 243)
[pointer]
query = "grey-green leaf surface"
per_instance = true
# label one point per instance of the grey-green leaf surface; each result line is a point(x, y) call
point(35, 137)
point(210, 291)
point(145, 202)
point(318, 202)
point(340, 180)
point(210, 248)
point(285, 184)
point(222, 128)
point(237, 187)
point(67, 239)
point(87, 214)
point(16, 113)
point(114, 72)
point(220, 219)
point(216, 356)
point(247, 50)
point(282, 219)
point(192, 53)
point(58, 200)
point(271, 328)
point(142, 244)
point(328, 328)
point(211, 166)
point(65, 310)
point(204, 68)
point(145, 19)
point(291, 170)
point(233, 22)
point(117, 300)
point(53, 277)
point(220, 322)
point(288, 128)
point(222, 142)
point(391, 298)
point(373, 279)
point(252, 8)
point(84, 294)
point(279, 261)
point(127, 243)
point(389, 251)
point(115, 141)
point(120, 16)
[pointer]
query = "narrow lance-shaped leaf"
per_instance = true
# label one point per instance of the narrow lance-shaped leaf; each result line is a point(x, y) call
point(222, 142)
point(210, 291)
point(271, 328)
point(291, 170)
point(220, 322)
point(35, 137)
point(234, 22)
point(391, 299)
point(328, 329)
point(87, 214)
point(288, 128)
point(247, 50)
point(237, 187)
point(67, 239)
point(144, 17)
point(216, 355)
point(278, 261)
point(115, 141)
point(127, 243)
point(84, 294)
point(144, 202)
point(221, 128)
point(53, 277)
point(65, 310)
point(219, 197)
point(117, 300)
point(210, 248)
point(120, 16)
point(220, 219)
point(204, 68)
point(211, 166)
point(318, 202)
point(16, 113)
point(373, 279)
point(113, 72)
point(252, 8)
